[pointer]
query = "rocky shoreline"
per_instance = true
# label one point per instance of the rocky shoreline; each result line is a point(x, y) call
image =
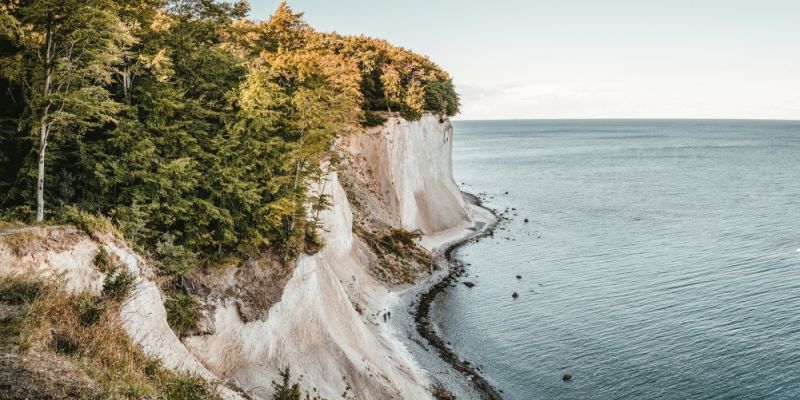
point(421, 313)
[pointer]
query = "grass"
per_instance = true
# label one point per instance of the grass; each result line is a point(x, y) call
point(18, 289)
point(89, 223)
point(87, 330)
point(19, 242)
point(104, 262)
point(397, 251)
point(10, 224)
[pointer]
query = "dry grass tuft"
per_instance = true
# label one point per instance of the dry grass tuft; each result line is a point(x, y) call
point(87, 330)
point(400, 258)
point(19, 242)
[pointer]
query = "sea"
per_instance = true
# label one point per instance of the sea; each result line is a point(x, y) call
point(660, 259)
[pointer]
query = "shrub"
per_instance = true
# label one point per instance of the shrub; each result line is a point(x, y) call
point(183, 312)
point(372, 118)
point(172, 259)
point(285, 390)
point(71, 215)
point(15, 217)
point(186, 387)
point(18, 290)
point(89, 309)
point(103, 261)
point(400, 242)
point(118, 284)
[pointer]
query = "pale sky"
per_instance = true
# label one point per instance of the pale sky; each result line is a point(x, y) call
point(592, 58)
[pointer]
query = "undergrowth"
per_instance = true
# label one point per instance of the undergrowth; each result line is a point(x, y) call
point(183, 312)
point(89, 223)
point(396, 251)
point(87, 330)
point(285, 389)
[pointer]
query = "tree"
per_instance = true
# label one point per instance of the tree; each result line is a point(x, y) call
point(414, 101)
point(69, 50)
point(391, 86)
point(297, 103)
point(286, 29)
point(193, 128)
point(284, 389)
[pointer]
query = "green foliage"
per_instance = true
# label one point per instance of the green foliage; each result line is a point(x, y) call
point(103, 261)
point(17, 216)
point(372, 118)
point(393, 78)
point(183, 313)
point(285, 389)
point(63, 64)
point(173, 260)
point(85, 221)
point(195, 131)
point(186, 387)
point(18, 290)
point(118, 284)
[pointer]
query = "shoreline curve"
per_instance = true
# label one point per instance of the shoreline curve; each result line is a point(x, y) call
point(455, 269)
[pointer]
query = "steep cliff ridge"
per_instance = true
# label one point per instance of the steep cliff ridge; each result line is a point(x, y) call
point(329, 325)
point(330, 322)
point(408, 167)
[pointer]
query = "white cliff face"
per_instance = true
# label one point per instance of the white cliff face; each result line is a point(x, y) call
point(412, 166)
point(328, 325)
point(317, 328)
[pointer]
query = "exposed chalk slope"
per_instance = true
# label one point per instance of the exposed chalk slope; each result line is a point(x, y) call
point(69, 253)
point(328, 325)
point(412, 168)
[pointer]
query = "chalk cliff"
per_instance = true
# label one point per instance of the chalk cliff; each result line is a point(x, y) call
point(329, 323)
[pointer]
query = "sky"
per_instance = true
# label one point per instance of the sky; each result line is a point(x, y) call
point(520, 59)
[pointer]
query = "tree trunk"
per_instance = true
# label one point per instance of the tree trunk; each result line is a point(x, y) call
point(126, 84)
point(40, 179)
point(43, 126)
point(298, 166)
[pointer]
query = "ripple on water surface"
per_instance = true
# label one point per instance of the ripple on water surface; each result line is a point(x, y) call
point(660, 260)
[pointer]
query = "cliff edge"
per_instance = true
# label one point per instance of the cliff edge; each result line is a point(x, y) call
point(392, 183)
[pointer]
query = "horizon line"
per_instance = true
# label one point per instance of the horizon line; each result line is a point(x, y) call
point(628, 119)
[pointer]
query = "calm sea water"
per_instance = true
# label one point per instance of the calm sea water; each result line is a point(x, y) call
point(661, 260)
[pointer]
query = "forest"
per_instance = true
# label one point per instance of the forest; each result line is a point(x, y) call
point(192, 130)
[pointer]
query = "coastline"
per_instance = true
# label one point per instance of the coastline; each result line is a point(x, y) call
point(458, 376)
